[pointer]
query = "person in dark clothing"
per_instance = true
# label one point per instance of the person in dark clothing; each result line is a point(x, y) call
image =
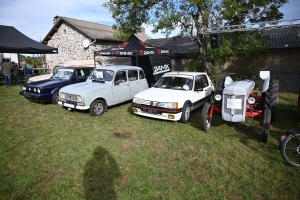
point(27, 70)
point(6, 69)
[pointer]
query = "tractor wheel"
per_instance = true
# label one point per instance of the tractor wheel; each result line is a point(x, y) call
point(265, 125)
point(273, 114)
point(298, 109)
point(271, 95)
point(205, 121)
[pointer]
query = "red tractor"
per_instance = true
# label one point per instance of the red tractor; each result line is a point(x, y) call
point(235, 100)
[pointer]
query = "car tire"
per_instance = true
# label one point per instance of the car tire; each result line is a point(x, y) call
point(265, 125)
point(186, 113)
point(97, 108)
point(205, 121)
point(55, 97)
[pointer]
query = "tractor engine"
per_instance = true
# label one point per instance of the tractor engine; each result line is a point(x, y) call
point(235, 97)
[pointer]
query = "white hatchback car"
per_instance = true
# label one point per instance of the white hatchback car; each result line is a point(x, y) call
point(106, 86)
point(174, 96)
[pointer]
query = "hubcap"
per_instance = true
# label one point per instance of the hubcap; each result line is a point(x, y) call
point(98, 108)
point(57, 98)
point(187, 113)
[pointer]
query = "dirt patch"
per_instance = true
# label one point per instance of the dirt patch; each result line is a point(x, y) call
point(120, 135)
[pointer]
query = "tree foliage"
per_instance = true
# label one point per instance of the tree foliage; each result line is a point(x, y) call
point(190, 16)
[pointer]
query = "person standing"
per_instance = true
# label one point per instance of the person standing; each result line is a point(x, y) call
point(27, 70)
point(16, 72)
point(6, 71)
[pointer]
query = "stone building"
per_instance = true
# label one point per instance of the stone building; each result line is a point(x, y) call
point(77, 40)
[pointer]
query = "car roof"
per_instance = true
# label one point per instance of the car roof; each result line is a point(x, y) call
point(185, 73)
point(120, 67)
point(78, 66)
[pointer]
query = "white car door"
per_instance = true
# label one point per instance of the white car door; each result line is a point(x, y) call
point(134, 82)
point(200, 90)
point(121, 88)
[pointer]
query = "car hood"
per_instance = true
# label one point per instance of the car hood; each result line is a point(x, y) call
point(48, 83)
point(162, 95)
point(85, 87)
point(39, 78)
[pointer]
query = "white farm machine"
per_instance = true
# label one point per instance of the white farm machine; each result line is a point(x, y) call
point(235, 100)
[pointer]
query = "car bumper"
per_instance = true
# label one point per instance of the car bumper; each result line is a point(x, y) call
point(158, 115)
point(73, 106)
point(44, 98)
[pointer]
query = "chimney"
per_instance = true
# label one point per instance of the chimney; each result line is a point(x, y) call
point(56, 19)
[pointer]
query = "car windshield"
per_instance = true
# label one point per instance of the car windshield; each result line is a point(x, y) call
point(63, 74)
point(175, 82)
point(101, 75)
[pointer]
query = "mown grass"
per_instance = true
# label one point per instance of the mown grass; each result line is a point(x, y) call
point(47, 152)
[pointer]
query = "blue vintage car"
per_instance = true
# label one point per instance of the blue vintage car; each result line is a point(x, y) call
point(47, 90)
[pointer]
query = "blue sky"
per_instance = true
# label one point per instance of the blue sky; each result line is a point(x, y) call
point(34, 18)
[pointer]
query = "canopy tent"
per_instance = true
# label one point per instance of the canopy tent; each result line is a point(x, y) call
point(13, 41)
point(153, 60)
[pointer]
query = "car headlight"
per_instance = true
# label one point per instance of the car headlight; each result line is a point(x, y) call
point(218, 97)
point(251, 100)
point(62, 95)
point(34, 89)
point(136, 100)
point(38, 90)
point(172, 105)
point(24, 88)
point(79, 98)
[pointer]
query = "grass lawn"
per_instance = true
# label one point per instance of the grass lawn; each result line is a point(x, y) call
point(47, 152)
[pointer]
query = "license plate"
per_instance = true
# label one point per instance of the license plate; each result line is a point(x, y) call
point(150, 111)
point(27, 95)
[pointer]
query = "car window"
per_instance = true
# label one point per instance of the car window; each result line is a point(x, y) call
point(201, 82)
point(120, 77)
point(63, 74)
point(85, 72)
point(101, 75)
point(132, 75)
point(142, 75)
point(180, 82)
point(78, 73)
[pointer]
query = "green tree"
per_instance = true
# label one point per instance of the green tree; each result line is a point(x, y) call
point(190, 16)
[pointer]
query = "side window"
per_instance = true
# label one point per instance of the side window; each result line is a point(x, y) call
point(199, 82)
point(142, 75)
point(120, 77)
point(132, 75)
point(205, 81)
point(85, 72)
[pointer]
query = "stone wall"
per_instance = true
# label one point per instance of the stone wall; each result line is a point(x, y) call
point(69, 44)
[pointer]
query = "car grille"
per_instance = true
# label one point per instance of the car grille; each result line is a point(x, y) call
point(233, 111)
point(71, 97)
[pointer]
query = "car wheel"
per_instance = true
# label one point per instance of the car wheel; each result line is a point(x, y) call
point(265, 125)
point(186, 113)
point(205, 120)
point(97, 108)
point(55, 97)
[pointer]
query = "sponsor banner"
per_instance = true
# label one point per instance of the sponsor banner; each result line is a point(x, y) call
point(160, 64)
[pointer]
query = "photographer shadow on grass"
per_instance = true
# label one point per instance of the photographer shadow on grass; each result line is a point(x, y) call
point(99, 175)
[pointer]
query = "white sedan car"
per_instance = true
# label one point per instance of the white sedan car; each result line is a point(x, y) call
point(174, 96)
point(106, 86)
